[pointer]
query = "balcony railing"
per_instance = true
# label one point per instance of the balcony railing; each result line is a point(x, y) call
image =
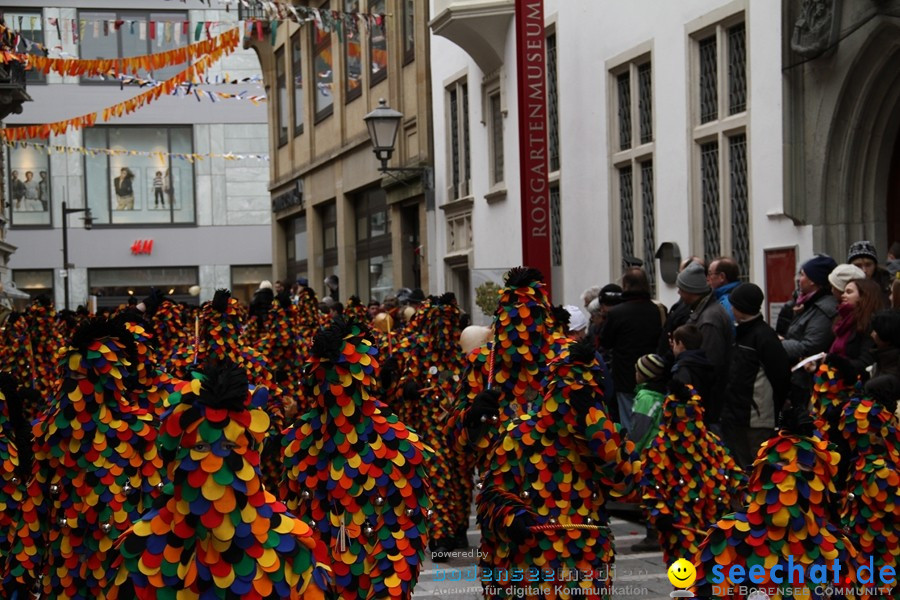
point(254, 10)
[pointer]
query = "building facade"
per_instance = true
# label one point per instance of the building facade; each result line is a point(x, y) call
point(177, 190)
point(336, 214)
point(667, 138)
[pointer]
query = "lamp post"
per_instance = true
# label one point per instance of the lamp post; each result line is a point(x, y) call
point(88, 223)
point(383, 124)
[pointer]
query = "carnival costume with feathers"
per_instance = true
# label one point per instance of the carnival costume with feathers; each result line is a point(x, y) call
point(430, 362)
point(690, 480)
point(356, 474)
point(871, 507)
point(503, 379)
point(96, 469)
point(542, 503)
point(216, 532)
point(15, 457)
point(790, 515)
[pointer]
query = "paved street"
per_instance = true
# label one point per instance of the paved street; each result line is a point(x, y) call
point(638, 576)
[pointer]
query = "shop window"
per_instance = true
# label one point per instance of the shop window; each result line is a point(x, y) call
point(113, 287)
point(28, 186)
point(323, 62)
point(374, 263)
point(245, 280)
point(122, 34)
point(30, 26)
point(34, 282)
point(297, 252)
point(378, 50)
point(149, 187)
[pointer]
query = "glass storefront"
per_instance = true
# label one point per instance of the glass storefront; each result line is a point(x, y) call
point(115, 286)
point(374, 263)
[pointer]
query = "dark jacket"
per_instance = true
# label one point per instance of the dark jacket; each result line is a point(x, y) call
point(810, 333)
point(860, 351)
point(631, 330)
point(759, 378)
point(692, 367)
point(887, 362)
point(678, 316)
point(718, 337)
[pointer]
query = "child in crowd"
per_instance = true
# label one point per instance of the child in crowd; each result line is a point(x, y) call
point(692, 367)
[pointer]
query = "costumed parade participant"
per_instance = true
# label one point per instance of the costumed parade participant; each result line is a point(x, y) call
point(355, 474)
point(430, 362)
point(15, 457)
point(690, 480)
point(870, 512)
point(503, 379)
point(790, 520)
point(96, 469)
point(30, 344)
point(216, 532)
point(542, 503)
point(166, 319)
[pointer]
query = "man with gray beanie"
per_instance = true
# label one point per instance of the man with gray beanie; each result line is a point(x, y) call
point(712, 320)
point(759, 378)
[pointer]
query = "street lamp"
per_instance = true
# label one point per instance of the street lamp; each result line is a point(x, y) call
point(383, 124)
point(88, 223)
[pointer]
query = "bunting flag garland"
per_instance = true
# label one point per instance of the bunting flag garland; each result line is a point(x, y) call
point(217, 533)
point(355, 474)
point(190, 157)
point(92, 67)
point(690, 480)
point(558, 465)
point(121, 108)
point(190, 91)
point(789, 517)
point(96, 469)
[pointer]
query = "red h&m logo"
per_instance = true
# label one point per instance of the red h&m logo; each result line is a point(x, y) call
point(142, 247)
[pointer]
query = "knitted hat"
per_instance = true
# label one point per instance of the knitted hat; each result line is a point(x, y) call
point(818, 268)
point(265, 284)
point(862, 249)
point(577, 320)
point(693, 280)
point(652, 366)
point(747, 298)
point(844, 274)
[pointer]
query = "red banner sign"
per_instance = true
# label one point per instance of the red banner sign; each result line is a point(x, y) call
point(531, 65)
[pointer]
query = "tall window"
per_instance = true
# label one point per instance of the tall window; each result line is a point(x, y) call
point(552, 104)
point(328, 216)
point(720, 181)
point(120, 34)
point(297, 253)
point(495, 123)
point(323, 61)
point(409, 31)
point(632, 147)
point(458, 123)
point(282, 108)
point(28, 187)
point(352, 54)
point(378, 50)
point(150, 186)
point(374, 263)
point(31, 27)
point(297, 74)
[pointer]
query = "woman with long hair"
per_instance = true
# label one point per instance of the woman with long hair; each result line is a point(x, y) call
point(861, 299)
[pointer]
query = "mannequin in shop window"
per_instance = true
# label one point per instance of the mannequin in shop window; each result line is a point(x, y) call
point(124, 189)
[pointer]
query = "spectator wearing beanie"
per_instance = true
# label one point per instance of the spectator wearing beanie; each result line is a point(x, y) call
point(841, 276)
point(863, 255)
point(759, 378)
point(649, 393)
point(708, 316)
point(632, 329)
point(810, 329)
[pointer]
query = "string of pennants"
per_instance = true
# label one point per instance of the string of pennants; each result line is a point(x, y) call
point(188, 90)
point(121, 108)
point(148, 62)
point(169, 31)
point(191, 157)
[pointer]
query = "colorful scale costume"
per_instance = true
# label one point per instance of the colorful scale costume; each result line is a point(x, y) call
point(15, 467)
point(356, 474)
point(217, 533)
point(556, 466)
point(831, 391)
point(690, 480)
point(431, 362)
point(29, 351)
point(355, 310)
point(514, 363)
point(167, 321)
point(790, 515)
point(96, 469)
point(151, 388)
point(871, 506)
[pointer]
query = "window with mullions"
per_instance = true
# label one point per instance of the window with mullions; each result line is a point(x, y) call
point(495, 120)
point(720, 116)
point(30, 26)
point(322, 65)
point(28, 188)
point(352, 54)
point(143, 188)
point(374, 262)
point(297, 74)
point(552, 104)
point(378, 50)
point(122, 34)
point(409, 31)
point(458, 117)
point(282, 108)
point(328, 217)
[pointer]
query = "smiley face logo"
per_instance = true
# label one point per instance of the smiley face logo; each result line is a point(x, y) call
point(682, 574)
